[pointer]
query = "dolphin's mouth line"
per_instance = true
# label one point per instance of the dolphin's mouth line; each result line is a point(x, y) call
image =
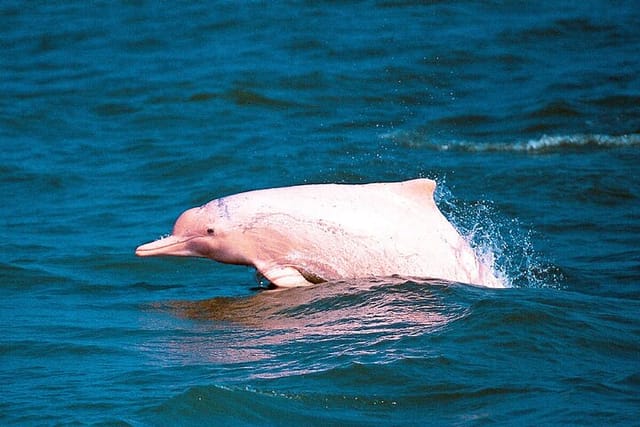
point(157, 245)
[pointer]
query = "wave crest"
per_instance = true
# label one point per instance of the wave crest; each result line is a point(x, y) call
point(544, 144)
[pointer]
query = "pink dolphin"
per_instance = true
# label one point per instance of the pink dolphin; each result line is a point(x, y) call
point(296, 236)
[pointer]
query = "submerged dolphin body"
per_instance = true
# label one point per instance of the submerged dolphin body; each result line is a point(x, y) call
point(296, 236)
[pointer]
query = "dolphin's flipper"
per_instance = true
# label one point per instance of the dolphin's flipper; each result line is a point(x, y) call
point(286, 277)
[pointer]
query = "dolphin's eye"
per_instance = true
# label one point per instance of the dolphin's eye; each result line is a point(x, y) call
point(210, 231)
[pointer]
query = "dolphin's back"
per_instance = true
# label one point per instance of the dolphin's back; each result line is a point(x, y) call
point(341, 231)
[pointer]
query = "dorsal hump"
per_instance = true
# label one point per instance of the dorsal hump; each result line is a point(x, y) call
point(418, 190)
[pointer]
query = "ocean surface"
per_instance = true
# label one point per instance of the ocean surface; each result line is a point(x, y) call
point(117, 116)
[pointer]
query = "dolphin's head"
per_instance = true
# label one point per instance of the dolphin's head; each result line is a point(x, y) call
point(199, 232)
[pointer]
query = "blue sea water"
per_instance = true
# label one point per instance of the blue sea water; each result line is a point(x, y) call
point(117, 116)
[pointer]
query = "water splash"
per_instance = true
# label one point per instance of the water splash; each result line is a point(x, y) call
point(501, 242)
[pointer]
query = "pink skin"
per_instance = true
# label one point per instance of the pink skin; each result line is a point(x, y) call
point(296, 236)
point(197, 233)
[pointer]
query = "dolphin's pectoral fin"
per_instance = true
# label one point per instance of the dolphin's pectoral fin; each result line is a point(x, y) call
point(286, 277)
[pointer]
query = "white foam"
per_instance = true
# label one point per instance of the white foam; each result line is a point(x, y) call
point(551, 142)
point(546, 143)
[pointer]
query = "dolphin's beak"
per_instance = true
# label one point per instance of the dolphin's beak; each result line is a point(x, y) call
point(169, 246)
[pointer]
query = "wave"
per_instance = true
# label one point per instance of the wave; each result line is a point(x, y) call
point(367, 368)
point(544, 144)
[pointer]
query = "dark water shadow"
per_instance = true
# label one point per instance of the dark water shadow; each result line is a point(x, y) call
point(331, 305)
point(328, 320)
